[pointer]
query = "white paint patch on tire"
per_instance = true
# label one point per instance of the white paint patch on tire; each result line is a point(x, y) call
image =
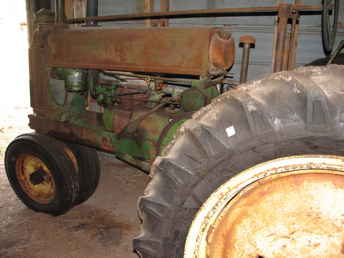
point(230, 131)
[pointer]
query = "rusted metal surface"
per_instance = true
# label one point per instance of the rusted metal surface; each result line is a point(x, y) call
point(306, 195)
point(35, 178)
point(132, 103)
point(222, 52)
point(159, 78)
point(162, 50)
point(269, 10)
point(306, 220)
point(120, 120)
point(39, 77)
point(72, 157)
point(294, 37)
point(63, 130)
point(135, 135)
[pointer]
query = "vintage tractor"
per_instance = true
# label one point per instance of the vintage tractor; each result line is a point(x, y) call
point(239, 169)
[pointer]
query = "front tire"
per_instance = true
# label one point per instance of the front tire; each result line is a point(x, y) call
point(289, 113)
point(86, 162)
point(41, 173)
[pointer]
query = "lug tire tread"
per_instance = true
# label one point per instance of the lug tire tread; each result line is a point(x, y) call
point(276, 116)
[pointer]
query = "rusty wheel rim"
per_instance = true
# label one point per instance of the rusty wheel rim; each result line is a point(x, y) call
point(72, 157)
point(291, 207)
point(35, 178)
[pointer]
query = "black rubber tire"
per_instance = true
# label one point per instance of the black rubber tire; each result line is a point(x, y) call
point(329, 31)
point(288, 113)
point(50, 151)
point(323, 61)
point(88, 170)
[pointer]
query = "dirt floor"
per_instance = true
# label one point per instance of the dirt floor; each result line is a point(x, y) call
point(101, 227)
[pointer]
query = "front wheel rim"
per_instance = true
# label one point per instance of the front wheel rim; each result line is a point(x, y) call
point(250, 216)
point(35, 178)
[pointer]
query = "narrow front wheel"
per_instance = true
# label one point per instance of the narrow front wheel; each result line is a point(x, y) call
point(42, 174)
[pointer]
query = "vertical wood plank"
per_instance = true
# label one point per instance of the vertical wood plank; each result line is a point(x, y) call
point(294, 37)
point(281, 37)
point(164, 7)
point(148, 7)
point(69, 9)
point(80, 8)
point(75, 8)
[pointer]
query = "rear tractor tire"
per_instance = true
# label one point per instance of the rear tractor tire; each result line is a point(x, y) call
point(257, 173)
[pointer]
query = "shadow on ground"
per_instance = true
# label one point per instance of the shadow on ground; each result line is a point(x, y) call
point(101, 227)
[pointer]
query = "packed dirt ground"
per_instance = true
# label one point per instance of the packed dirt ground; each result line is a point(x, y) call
point(101, 227)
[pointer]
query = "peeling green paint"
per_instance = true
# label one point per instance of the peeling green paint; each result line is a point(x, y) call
point(145, 134)
point(171, 133)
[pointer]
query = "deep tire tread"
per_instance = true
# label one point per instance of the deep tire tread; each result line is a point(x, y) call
point(255, 113)
point(287, 128)
point(147, 247)
point(150, 206)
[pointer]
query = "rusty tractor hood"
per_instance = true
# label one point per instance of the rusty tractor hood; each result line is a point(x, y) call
point(192, 51)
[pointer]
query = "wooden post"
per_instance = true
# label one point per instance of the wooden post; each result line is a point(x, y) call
point(80, 8)
point(294, 37)
point(69, 9)
point(75, 8)
point(164, 7)
point(281, 37)
point(148, 8)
